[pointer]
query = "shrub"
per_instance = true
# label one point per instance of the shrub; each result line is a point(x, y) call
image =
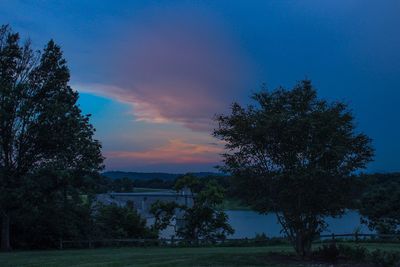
point(261, 238)
point(385, 258)
point(329, 253)
point(377, 257)
point(355, 253)
point(113, 222)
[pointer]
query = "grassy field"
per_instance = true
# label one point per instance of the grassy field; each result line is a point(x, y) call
point(209, 256)
point(237, 256)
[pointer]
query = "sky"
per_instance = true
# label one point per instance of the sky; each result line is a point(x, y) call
point(154, 73)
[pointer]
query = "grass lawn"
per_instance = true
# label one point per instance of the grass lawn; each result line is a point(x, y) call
point(138, 256)
point(155, 256)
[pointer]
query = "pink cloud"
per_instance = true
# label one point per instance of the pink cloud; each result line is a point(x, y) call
point(175, 151)
point(175, 66)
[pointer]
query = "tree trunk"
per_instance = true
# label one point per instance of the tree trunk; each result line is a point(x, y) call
point(303, 245)
point(300, 236)
point(5, 233)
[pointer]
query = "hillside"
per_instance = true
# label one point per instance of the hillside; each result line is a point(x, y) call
point(151, 175)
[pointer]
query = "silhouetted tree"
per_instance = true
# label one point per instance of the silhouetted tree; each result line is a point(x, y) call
point(41, 125)
point(293, 154)
point(204, 220)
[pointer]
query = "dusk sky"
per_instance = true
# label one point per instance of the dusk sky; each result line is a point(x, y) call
point(153, 73)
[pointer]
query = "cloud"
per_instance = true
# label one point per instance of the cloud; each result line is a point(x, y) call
point(140, 108)
point(176, 151)
point(175, 65)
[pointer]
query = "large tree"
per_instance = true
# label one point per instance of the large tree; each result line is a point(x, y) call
point(41, 125)
point(293, 154)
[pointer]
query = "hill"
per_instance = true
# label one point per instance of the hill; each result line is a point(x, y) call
point(152, 175)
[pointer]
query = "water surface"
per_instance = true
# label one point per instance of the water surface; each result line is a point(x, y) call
point(249, 223)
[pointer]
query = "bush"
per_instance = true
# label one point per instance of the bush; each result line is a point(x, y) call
point(329, 253)
point(113, 222)
point(377, 257)
point(355, 253)
point(261, 238)
point(385, 258)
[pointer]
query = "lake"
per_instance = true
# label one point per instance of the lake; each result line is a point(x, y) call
point(249, 223)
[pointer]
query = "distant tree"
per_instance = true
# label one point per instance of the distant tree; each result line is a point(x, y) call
point(123, 185)
point(41, 125)
point(188, 181)
point(203, 221)
point(154, 183)
point(293, 154)
point(380, 203)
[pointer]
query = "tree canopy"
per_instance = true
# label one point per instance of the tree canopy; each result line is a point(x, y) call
point(41, 125)
point(293, 154)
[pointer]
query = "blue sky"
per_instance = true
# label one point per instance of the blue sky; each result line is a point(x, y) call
point(153, 73)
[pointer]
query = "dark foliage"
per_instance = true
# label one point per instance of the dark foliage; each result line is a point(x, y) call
point(380, 203)
point(50, 219)
point(355, 253)
point(152, 175)
point(154, 183)
point(121, 185)
point(329, 253)
point(126, 184)
point(294, 154)
point(112, 221)
point(358, 254)
point(385, 258)
point(41, 127)
point(204, 221)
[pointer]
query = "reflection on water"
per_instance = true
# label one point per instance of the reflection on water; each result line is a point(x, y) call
point(249, 223)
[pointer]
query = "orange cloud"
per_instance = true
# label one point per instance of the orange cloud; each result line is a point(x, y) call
point(175, 151)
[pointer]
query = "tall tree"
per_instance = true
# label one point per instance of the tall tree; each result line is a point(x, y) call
point(293, 154)
point(41, 125)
